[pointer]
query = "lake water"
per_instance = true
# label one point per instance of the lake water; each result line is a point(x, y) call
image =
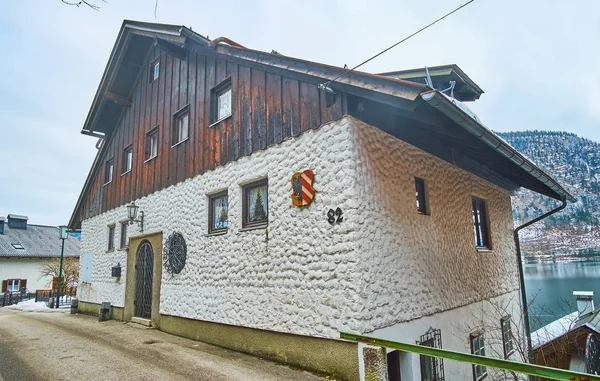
point(551, 285)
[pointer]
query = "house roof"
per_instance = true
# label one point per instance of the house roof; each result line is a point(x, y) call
point(38, 241)
point(392, 89)
point(564, 325)
point(466, 89)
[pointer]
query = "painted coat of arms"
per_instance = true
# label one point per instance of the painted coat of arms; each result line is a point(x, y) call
point(302, 189)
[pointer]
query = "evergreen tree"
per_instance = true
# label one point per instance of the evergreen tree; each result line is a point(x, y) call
point(259, 209)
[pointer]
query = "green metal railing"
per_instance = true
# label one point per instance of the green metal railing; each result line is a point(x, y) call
point(514, 366)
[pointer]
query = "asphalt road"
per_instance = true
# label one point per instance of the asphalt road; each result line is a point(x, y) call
point(59, 346)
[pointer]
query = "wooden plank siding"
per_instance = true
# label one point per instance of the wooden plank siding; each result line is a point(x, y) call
point(267, 108)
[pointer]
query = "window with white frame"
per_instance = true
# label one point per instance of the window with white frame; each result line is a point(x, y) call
point(13, 285)
point(478, 348)
point(507, 336)
point(181, 126)
point(108, 171)
point(154, 70)
point(127, 159)
point(221, 101)
point(152, 143)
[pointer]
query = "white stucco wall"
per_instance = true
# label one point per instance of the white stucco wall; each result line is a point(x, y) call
point(456, 325)
point(25, 268)
point(416, 265)
point(299, 275)
point(382, 266)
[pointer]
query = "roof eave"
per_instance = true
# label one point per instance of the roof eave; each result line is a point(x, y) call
point(440, 102)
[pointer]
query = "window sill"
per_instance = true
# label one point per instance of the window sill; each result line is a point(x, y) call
point(217, 233)
point(178, 143)
point(150, 159)
point(105, 184)
point(507, 356)
point(124, 248)
point(484, 249)
point(126, 172)
point(220, 120)
point(255, 227)
point(110, 250)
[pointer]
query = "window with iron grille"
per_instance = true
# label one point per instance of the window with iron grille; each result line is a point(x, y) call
point(111, 237)
point(221, 101)
point(432, 368)
point(181, 126)
point(507, 336)
point(421, 200)
point(108, 171)
point(478, 348)
point(127, 159)
point(480, 225)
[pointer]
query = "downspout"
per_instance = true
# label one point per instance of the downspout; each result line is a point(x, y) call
point(521, 277)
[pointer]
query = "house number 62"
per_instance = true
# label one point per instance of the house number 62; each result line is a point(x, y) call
point(331, 216)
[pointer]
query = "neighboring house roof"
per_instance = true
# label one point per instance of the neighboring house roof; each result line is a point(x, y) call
point(38, 241)
point(564, 325)
point(136, 38)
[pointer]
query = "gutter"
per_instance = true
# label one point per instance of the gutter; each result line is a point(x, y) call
point(443, 104)
point(524, 304)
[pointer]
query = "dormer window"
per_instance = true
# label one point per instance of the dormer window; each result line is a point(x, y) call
point(154, 70)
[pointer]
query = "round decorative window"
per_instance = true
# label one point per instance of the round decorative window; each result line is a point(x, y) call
point(175, 253)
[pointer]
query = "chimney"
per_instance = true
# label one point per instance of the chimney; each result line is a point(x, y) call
point(17, 222)
point(585, 302)
point(1, 225)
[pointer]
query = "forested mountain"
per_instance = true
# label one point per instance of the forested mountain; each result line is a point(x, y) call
point(575, 163)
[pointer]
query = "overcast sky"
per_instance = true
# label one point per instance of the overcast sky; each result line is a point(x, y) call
point(537, 62)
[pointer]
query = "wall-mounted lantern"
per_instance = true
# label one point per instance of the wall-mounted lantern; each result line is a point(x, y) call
point(132, 211)
point(116, 271)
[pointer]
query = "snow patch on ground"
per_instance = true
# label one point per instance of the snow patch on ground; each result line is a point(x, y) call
point(32, 306)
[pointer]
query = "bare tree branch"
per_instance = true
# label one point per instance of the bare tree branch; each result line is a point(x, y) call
point(78, 3)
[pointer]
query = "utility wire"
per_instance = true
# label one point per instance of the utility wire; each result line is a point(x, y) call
point(399, 42)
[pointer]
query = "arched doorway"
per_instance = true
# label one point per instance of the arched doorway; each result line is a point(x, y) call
point(144, 269)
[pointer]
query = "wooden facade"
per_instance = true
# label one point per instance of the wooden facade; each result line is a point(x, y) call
point(267, 109)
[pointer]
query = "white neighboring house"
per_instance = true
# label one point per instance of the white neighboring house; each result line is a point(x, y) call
point(24, 248)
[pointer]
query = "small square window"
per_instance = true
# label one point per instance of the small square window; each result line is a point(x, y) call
point(420, 192)
point(18, 246)
point(108, 171)
point(221, 103)
point(181, 126)
point(127, 159)
point(255, 200)
point(507, 336)
point(124, 236)
point(152, 143)
point(154, 70)
point(478, 348)
point(111, 237)
point(218, 213)
point(480, 225)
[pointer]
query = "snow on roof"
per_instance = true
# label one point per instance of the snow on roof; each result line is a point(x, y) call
point(555, 329)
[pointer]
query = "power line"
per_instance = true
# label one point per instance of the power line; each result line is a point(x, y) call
point(399, 42)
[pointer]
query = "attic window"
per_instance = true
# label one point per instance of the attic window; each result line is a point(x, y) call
point(17, 246)
point(154, 70)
